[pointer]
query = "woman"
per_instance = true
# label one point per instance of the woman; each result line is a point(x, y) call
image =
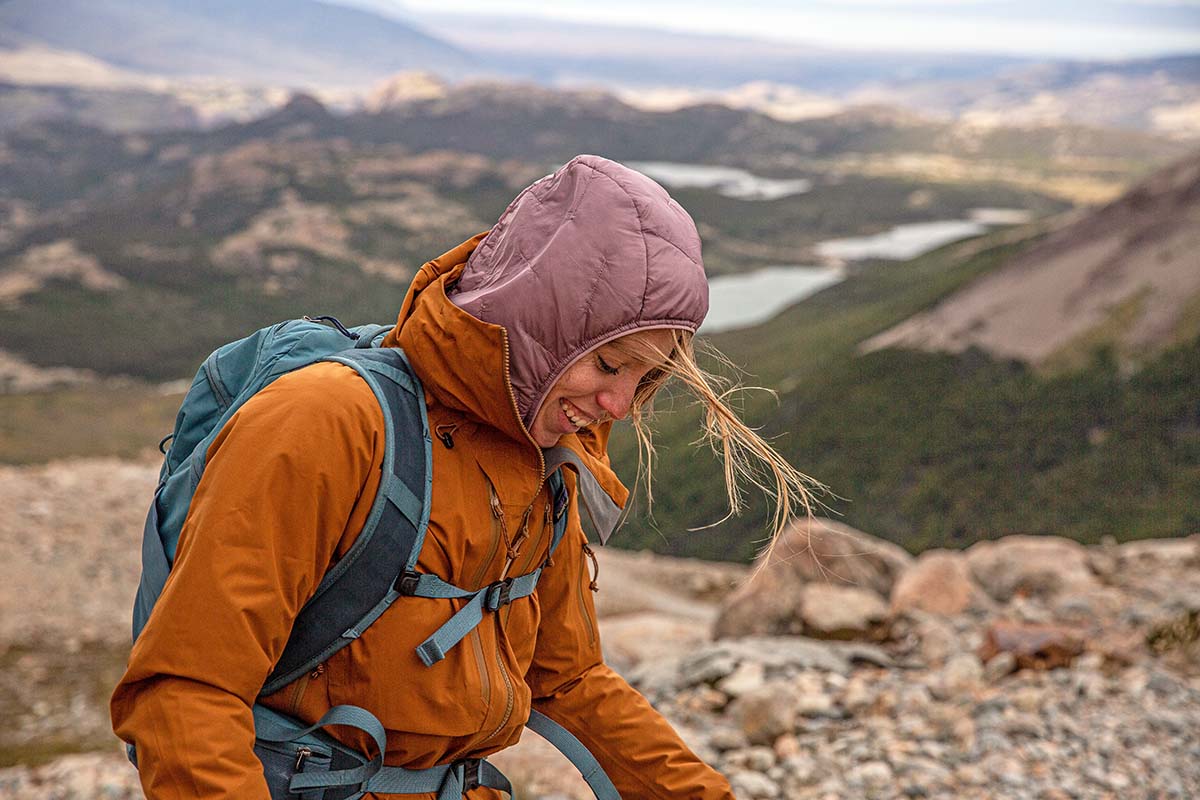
point(569, 314)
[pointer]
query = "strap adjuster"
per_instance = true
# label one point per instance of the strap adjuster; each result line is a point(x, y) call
point(406, 584)
point(471, 767)
point(497, 595)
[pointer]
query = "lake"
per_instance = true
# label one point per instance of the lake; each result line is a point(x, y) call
point(739, 301)
point(909, 241)
point(728, 181)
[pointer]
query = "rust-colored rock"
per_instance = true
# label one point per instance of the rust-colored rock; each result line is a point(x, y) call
point(1033, 646)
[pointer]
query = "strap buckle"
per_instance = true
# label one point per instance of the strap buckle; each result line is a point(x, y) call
point(498, 594)
point(406, 584)
point(471, 767)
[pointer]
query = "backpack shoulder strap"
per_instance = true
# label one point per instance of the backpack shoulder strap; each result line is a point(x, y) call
point(361, 586)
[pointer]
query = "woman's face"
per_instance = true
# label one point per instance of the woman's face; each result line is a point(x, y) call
point(599, 385)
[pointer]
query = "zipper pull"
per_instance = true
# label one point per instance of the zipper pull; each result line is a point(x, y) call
point(595, 587)
point(445, 432)
point(319, 671)
point(515, 547)
point(301, 756)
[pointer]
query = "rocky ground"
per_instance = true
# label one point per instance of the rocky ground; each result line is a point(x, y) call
point(1022, 668)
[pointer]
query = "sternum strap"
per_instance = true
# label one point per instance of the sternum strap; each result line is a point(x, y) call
point(490, 598)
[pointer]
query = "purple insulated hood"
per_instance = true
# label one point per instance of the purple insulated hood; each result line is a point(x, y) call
point(581, 257)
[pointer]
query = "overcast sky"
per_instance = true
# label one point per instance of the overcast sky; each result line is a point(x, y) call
point(1097, 29)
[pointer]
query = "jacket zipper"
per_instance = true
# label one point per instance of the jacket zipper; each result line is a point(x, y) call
point(587, 617)
point(498, 532)
point(512, 397)
point(508, 687)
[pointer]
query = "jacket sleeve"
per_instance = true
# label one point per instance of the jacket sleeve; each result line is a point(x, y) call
point(638, 748)
point(278, 501)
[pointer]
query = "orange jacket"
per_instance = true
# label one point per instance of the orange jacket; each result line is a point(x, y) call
point(288, 485)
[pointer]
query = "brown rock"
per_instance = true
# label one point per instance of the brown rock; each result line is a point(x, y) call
point(938, 582)
point(824, 553)
point(1033, 646)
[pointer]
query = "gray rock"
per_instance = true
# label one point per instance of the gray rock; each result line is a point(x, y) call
point(999, 667)
point(753, 785)
point(962, 675)
point(707, 666)
point(748, 676)
point(727, 738)
point(871, 775)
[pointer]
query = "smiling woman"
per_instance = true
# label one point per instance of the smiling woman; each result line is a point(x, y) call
point(529, 342)
point(601, 385)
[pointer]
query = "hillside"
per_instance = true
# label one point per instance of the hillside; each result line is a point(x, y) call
point(942, 450)
point(178, 238)
point(1125, 277)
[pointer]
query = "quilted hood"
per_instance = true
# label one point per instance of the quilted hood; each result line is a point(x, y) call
point(585, 255)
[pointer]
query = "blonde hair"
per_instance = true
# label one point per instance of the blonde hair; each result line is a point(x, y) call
point(746, 457)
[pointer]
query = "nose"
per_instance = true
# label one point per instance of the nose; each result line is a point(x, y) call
point(617, 399)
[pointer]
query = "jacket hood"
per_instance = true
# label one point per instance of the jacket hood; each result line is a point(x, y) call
point(463, 363)
point(581, 257)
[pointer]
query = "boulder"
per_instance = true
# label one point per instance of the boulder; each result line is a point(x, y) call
point(1032, 566)
point(842, 612)
point(938, 582)
point(821, 552)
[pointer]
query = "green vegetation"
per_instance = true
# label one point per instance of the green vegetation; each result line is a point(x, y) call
point(122, 420)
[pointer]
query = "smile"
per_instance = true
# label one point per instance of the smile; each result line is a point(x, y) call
point(573, 414)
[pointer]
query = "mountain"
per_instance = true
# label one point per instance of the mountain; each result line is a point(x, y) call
point(274, 42)
point(1126, 276)
point(1155, 94)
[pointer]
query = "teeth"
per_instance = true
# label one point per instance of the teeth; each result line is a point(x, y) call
point(569, 410)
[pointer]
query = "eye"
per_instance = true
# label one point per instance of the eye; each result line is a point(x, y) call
point(605, 367)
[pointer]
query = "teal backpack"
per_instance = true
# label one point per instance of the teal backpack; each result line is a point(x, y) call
point(301, 761)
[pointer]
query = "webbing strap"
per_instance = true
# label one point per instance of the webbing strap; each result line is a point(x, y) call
point(396, 376)
point(450, 781)
point(403, 499)
point(490, 598)
point(578, 754)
